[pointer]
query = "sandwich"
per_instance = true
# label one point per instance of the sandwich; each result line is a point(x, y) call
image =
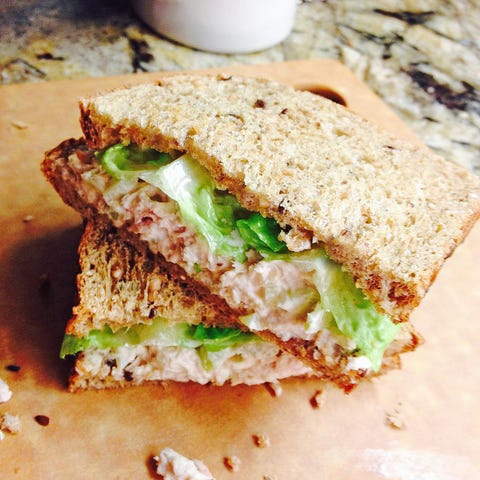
point(134, 323)
point(310, 226)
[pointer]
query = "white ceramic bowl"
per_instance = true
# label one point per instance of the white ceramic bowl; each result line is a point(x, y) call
point(222, 26)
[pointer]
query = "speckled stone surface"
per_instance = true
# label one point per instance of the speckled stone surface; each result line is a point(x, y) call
point(421, 57)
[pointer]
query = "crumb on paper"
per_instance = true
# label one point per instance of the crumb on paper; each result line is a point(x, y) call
point(318, 399)
point(268, 477)
point(27, 218)
point(395, 419)
point(13, 368)
point(10, 423)
point(261, 440)
point(232, 463)
point(274, 388)
point(5, 392)
point(19, 124)
point(171, 465)
point(42, 420)
point(223, 77)
point(117, 273)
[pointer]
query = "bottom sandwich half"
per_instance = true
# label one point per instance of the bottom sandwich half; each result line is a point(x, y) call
point(138, 321)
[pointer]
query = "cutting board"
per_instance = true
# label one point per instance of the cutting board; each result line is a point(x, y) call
point(114, 434)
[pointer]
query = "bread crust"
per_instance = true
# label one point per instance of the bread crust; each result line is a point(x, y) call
point(389, 212)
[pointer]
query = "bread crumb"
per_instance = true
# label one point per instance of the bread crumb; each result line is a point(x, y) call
point(10, 423)
point(42, 420)
point(268, 477)
point(274, 388)
point(223, 77)
point(117, 273)
point(318, 399)
point(232, 463)
point(261, 440)
point(19, 124)
point(5, 392)
point(27, 218)
point(395, 419)
point(171, 465)
point(13, 368)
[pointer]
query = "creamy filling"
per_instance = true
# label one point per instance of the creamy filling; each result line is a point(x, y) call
point(279, 293)
point(252, 363)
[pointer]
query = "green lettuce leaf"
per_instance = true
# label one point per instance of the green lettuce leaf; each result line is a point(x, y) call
point(209, 211)
point(215, 339)
point(127, 162)
point(212, 339)
point(352, 312)
point(228, 228)
point(261, 233)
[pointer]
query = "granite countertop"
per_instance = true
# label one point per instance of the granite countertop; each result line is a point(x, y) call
point(422, 57)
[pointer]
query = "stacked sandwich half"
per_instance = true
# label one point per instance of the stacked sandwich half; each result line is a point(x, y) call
point(136, 322)
point(239, 230)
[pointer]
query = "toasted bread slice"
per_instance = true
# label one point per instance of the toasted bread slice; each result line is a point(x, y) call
point(389, 212)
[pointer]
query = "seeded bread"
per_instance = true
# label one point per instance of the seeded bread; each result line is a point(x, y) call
point(389, 212)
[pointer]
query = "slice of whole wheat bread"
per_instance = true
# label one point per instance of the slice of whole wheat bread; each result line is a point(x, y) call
point(389, 212)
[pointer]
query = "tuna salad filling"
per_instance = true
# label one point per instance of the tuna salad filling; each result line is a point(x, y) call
point(180, 352)
point(288, 284)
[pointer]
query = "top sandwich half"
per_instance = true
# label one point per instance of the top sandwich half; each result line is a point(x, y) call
point(388, 212)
